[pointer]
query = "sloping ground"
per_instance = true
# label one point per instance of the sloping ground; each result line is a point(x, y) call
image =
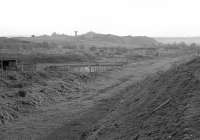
point(96, 113)
point(87, 124)
point(96, 39)
point(114, 40)
point(164, 106)
point(23, 93)
point(12, 45)
point(188, 40)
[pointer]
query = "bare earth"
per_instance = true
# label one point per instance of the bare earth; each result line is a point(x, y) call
point(72, 120)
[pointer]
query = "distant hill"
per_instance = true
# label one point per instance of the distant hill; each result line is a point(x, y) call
point(95, 39)
point(40, 52)
point(187, 40)
point(61, 44)
point(13, 45)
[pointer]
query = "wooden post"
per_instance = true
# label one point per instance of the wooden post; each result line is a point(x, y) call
point(35, 67)
point(97, 68)
point(90, 68)
point(79, 69)
point(1, 67)
point(68, 68)
point(5, 74)
point(22, 67)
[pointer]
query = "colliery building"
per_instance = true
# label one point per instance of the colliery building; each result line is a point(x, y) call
point(12, 63)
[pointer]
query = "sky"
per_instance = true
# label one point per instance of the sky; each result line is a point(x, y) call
point(154, 18)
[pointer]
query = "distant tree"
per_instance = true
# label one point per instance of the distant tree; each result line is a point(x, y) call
point(54, 34)
point(112, 49)
point(82, 47)
point(193, 45)
point(102, 50)
point(93, 48)
point(121, 50)
point(70, 46)
point(45, 45)
point(182, 44)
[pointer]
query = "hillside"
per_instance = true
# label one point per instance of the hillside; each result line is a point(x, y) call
point(113, 40)
point(95, 39)
point(40, 52)
point(170, 40)
point(170, 112)
point(75, 117)
point(12, 45)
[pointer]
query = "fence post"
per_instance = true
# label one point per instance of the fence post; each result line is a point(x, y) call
point(89, 68)
point(2, 68)
point(22, 67)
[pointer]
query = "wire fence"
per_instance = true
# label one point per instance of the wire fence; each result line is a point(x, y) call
point(24, 68)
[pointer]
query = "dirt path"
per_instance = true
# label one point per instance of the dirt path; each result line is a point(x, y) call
point(72, 120)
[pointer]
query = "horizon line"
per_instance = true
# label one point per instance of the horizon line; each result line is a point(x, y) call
point(37, 35)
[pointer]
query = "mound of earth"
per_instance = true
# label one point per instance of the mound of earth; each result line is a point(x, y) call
point(95, 39)
point(164, 106)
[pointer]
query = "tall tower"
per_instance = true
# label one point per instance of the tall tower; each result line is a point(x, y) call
point(76, 38)
point(76, 33)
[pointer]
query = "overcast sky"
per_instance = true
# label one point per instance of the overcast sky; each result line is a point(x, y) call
point(121, 17)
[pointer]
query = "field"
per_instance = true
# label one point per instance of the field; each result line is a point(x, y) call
point(101, 93)
point(48, 99)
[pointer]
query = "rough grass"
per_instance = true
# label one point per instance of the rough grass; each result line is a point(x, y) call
point(22, 93)
point(136, 119)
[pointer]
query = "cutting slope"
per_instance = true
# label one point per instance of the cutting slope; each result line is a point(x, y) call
point(164, 106)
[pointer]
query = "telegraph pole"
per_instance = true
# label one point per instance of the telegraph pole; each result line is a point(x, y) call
point(76, 39)
point(76, 33)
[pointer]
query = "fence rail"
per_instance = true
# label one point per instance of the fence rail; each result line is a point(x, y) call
point(90, 68)
point(80, 68)
point(3, 74)
point(26, 68)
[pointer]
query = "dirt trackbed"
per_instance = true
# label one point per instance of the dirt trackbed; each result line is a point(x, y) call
point(155, 108)
point(162, 107)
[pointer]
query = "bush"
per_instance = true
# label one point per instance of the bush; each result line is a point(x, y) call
point(21, 93)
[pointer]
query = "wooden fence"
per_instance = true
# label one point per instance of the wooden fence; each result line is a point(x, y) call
point(87, 68)
point(79, 68)
point(25, 68)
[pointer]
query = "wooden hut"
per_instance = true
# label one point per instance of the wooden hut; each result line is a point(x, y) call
point(8, 63)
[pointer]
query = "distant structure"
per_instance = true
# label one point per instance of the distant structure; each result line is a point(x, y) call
point(76, 33)
point(76, 38)
point(8, 59)
point(8, 63)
